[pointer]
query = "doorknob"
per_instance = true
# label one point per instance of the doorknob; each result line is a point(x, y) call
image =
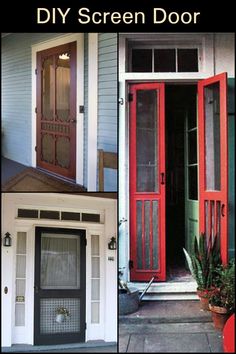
point(36, 288)
point(162, 178)
point(73, 120)
point(223, 210)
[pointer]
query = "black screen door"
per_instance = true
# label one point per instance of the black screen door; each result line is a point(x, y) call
point(59, 286)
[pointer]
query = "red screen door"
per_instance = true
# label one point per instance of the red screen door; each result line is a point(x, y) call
point(56, 110)
point(213, 159)
point(147, 182)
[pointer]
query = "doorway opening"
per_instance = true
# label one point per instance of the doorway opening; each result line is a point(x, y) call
point(181, 176)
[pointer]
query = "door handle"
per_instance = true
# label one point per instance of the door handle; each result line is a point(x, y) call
point(73, 120)
point(36, 289)
point(162, 178)
point(223, 210)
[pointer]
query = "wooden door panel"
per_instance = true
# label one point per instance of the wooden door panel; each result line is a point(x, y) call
point(147, 182)
point(56, 110)
point(213, 159)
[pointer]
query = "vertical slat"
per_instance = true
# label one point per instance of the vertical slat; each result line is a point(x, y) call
point(151, 235)
point(215, 218)
point(209, 220)
point(143, 235)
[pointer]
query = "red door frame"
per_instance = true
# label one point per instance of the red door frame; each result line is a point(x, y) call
point(160, 273)
point(69, 173)
point(220, 196)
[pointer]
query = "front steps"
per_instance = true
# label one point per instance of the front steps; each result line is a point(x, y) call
point(173, 290)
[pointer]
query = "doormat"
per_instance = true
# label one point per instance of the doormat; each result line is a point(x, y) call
point(32, 180)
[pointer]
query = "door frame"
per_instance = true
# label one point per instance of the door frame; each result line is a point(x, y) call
point(54, 42)
point(67, 337)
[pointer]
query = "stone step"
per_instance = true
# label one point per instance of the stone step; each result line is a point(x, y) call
point(169, 296)
point(154, 328)
point(168, 290)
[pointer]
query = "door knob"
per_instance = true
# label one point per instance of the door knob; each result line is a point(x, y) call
point(73, 120)
point(162, 178)
point(223, 210)
point(36, 288)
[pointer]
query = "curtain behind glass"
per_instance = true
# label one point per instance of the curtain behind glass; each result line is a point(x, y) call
point(60, 261)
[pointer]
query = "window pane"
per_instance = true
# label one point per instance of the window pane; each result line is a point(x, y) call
point(192, 183)
point(146, 141)
point(63, 86)
point(212, 136)
point(47, 89)
point(164, 60)
point(187, 60)
point(192, 147)
point(192, 117)
point(60, 266)
point(142, 60)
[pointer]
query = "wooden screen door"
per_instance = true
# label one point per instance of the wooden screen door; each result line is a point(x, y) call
point(59, 284)
point(147, 182)
point(213, 159)
point(56, 110)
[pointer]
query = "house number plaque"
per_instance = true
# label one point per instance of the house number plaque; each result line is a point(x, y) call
point(20, 298)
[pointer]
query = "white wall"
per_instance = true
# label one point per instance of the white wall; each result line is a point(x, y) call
point(225, 53)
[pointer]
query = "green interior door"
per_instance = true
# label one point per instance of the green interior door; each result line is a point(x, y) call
point(191, 176)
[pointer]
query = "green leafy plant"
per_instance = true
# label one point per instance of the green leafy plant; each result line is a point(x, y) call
point(203, 261)
point(224, 295)
point(62, 311)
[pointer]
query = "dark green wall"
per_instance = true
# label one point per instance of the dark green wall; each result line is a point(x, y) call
point(231, 136)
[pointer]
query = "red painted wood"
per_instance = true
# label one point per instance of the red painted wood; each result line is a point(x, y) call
point(53, 167)
point(135, 273)
point(221, 195)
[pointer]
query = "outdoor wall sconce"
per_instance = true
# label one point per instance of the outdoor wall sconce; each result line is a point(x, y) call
point(112, 244)
point(7, 240)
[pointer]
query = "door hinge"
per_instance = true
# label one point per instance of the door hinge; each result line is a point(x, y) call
point(35, 148)
point(81, 109)
point(131, 264)
point(36, 71)
point(36, 111)
point(130, 97)
point(86, 242)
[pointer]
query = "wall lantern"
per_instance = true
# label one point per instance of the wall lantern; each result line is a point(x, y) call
point(112, 244)
point(7, 240)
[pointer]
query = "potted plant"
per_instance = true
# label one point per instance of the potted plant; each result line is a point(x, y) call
point(202, 263)
point(222, 302)
point(61, 314)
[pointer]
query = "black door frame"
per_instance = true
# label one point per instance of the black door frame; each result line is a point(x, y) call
point(59, 338)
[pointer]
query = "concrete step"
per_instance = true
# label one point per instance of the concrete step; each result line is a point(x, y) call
point(154, 328)
point(173, 290)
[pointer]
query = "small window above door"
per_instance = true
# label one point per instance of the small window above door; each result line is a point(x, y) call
point(169, 59)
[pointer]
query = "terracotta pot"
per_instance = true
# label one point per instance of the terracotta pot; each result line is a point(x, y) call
point(204, 296)
point(204, 303)
point(219, 316)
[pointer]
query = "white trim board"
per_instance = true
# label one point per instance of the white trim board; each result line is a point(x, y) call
point(92, 111)
point(79, 39)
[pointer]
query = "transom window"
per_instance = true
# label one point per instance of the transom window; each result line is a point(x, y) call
point(168, 59)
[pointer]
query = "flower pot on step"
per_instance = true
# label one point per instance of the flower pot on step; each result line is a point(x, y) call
point(219, 316)
point(204, 296)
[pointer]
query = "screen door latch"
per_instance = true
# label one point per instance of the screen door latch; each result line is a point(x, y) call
point(162, 178)
point(131, 264)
